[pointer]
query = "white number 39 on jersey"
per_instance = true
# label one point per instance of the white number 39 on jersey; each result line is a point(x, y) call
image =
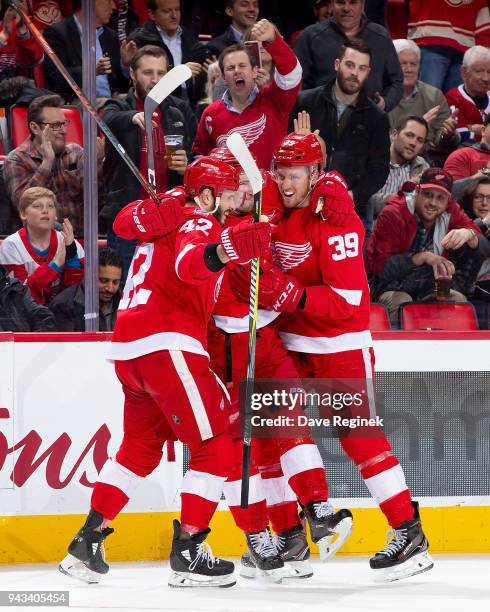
point(345, 246)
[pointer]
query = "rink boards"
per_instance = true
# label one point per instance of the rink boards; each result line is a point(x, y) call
point(60, 418)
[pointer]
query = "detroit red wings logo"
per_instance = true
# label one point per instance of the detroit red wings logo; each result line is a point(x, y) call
point(250, 132)
point(289, 256)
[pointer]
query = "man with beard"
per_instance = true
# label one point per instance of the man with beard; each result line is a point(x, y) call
point(356, 132)
point(125, 117)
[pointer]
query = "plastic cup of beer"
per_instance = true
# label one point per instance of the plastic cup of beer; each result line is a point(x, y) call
point(173, 142)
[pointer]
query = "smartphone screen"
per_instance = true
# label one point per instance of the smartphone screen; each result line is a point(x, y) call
point(254, 46)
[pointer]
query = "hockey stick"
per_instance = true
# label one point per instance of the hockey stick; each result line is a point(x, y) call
point(165, 86)
point(239, 148)
point(83, 99)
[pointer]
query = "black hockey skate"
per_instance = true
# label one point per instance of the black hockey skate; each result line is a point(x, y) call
point(194, 565)
point(86, 558)
point(405, 555)
point(328, 529)
point(293, 549)
point(262, 555)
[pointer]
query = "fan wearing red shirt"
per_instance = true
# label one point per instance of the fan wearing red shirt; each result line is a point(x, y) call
point(159, 350)
point(260, 116)
point(326, 295)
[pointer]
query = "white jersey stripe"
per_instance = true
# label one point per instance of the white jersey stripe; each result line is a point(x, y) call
point(233, 491)
point(351, 296)
point(207, 486)
point(278, 491)
point(193, 395)
point(387, 484)
point(115, 474)
point(301, 459)
point(325, 345)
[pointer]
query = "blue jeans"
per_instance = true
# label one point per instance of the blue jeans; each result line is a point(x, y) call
point(125, 248)
point(438, 70)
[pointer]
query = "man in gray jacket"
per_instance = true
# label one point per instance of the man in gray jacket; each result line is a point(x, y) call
point(319, 45)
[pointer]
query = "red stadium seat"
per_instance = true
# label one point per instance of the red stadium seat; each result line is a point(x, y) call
point(19, 130)
point(453, 316)
point(378, 318)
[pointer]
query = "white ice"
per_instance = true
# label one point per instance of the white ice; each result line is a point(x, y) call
point(460, 583)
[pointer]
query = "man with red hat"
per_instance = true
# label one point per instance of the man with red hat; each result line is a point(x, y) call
point(406, 252)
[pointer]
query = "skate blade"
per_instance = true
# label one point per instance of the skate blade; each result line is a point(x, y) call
point(329, 545)
point(276, 575)
point(191, 580)
point(298, 570)
point(411, 567)
point(247, 572)
point(73, 567)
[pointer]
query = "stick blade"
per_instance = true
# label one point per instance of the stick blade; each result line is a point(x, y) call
point(168, 83)
point(239, 148)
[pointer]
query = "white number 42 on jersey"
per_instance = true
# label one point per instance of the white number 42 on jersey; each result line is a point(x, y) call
point(345, 246)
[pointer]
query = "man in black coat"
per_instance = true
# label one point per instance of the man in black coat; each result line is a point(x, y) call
point(125, 117)
point(66, 40)
point(68, 306)
point(18, 311)
point(243, 15)
point(355, 130)
point(318, 46)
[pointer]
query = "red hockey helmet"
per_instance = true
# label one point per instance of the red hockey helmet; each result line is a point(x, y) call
point(298, 150)
point(210, 172)
point(227, 156)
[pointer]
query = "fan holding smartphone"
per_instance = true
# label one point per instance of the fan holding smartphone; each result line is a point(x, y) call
point(263, 60)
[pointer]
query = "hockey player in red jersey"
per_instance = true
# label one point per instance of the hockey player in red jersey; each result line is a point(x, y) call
point(160, 356)
point(321, 283)
point(298, 457)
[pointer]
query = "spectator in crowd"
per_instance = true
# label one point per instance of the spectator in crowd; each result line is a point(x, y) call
point(375, 11)
point(66, 40)
point(322, 9)
point(469, 163)
point(261, 116)
point(355, 130)
point(44, 259)
point(472, 98)
point(243, 14)
point(46, 13)
point(319, 46)
point(182, 47)
point(425, 101)
point(212, 89)
point(17, 46)
point(125, 117)
point(407, 141)
point(445, 30)
point(68, 306)
point(406, 253)
point(475, 202)
point(45, 159)
point(18, 311)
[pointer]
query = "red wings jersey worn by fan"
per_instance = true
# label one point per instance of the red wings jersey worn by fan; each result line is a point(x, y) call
point(44, 281)
point(468, 112)
point(264, 122)
point(328, 261)
point(170, 293)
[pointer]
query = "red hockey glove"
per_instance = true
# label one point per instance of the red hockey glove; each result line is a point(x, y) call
point(156, 220)
point(277, 291)
point(246, 240)
point(330, 198)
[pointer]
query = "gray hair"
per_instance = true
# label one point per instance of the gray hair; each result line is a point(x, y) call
point(476, 54)
point(402, 44)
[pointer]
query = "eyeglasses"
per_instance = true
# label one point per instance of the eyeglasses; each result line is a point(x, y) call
point(481, 197)
point(56, 126)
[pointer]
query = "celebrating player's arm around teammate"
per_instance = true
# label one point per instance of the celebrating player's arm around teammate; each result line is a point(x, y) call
point(160, 358)
point(318, 250)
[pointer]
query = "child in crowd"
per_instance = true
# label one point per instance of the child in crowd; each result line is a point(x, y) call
point(45, 259)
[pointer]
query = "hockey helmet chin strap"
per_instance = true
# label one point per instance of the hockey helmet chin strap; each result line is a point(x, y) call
point(311, 184)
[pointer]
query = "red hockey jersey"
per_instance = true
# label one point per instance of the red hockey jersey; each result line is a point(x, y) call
point(460, 24)
point(264, 122)
point(170, 293)
point(328, 261)
point(468, 113)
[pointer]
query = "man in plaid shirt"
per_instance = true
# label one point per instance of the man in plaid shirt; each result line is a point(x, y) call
point(45, 159)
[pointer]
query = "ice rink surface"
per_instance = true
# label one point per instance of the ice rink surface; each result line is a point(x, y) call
point(459, 583)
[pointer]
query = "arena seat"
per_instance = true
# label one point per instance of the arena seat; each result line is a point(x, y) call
point(460, 316)
point(19, 131)
point(378, 318)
